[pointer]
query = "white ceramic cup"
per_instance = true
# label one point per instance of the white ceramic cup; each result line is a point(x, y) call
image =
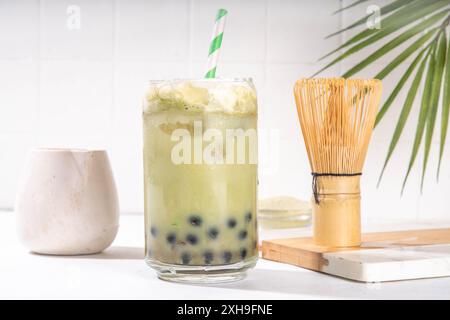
point(67, 202)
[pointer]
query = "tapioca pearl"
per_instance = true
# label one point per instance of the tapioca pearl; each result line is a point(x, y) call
point(248, 216)
point(231, 223)
point(242, 234)
point(192, 239)
point(195, 220)
point(171, 238)
point(186, 257)
point(154, 231)
point(243, 253)
point(208, 256)
point(226, 256)
point(213, 233)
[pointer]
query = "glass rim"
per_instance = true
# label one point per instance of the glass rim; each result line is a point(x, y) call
point(246, 79)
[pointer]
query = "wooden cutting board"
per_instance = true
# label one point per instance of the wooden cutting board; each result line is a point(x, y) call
point(383, 256)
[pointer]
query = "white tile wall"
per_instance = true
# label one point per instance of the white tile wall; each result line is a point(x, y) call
point(82, 87)
point(19, 29)
point(75, 103)
point(435, 195)
point(19, 81)
point(62, 39)
point(14, 150)
point(152, 29)
point(296, 30)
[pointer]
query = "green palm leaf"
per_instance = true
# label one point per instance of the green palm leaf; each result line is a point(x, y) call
point(398, 88)
point(422, 117)
point(396, 42)
point(439, 57)
point(404, 114)
point(354, 4)
point(408, 14)
point(431, 49)
point(445, 108)
point(383, 11)
point(405, 54)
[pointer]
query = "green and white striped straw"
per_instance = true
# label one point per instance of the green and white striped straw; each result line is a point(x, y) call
point(216, 43)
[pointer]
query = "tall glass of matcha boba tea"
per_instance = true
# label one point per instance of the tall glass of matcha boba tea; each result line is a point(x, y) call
point(200, 179)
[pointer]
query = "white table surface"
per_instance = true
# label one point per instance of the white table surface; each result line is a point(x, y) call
point(120, 273)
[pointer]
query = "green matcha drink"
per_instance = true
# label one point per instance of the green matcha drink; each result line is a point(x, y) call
point(200, 176)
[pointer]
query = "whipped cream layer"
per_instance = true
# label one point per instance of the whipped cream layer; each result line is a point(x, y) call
point(231, 96)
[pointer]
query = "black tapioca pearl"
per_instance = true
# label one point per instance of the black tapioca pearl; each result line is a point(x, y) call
point(195, 220)
point(208, 256)
point(171, 238)
point(213, 233)
point(192, 239)
point(227, 256)
point(242, 234)
point(154, 231)
point(248, 216)
point(231, 223)
point(186, 258)
point(243, 253)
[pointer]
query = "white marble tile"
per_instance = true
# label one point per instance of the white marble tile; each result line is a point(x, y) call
point(152, 29)
point(19, 29)
point(77, 29)
point(18, 96)
point(245, 31)
point(296, 30)
point(75, 103)
point(390, 264)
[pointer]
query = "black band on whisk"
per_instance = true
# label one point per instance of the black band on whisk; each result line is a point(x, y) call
point(316, 175)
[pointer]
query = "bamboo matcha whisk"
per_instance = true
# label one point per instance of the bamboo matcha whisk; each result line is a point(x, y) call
point(337, 117)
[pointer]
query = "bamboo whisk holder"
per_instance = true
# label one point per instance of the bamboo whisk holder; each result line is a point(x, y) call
point(336, 217)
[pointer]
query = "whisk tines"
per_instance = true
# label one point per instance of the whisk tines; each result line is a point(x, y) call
point(337, 117)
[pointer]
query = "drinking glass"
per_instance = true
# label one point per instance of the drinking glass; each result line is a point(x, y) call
point(200, 179)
